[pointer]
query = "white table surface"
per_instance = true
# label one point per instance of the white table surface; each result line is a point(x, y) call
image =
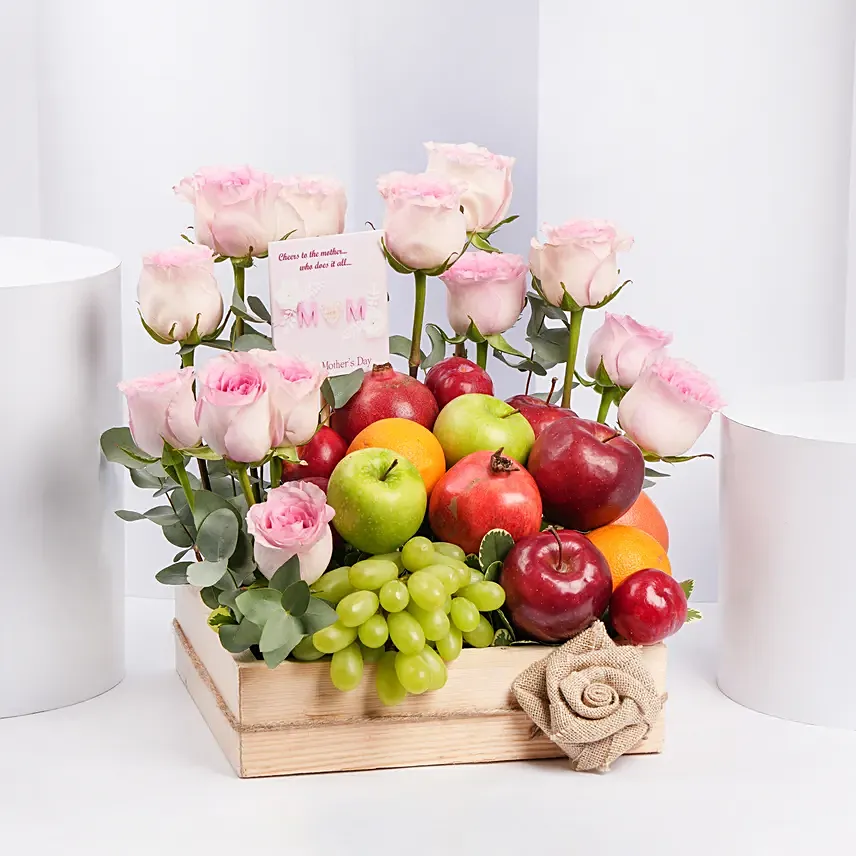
point(136, 771)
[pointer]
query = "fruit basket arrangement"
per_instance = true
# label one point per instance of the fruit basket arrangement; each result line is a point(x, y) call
point(365, 557)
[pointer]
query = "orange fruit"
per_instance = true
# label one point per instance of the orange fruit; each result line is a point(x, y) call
point(627, 550)
point(408, 438)
point(644, 515)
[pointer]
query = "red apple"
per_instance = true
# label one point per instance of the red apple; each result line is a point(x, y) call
point(647, 607)
point(556, 584)
point(588, 474)
point(456, 376)
point(319, 456)
point(537, 412)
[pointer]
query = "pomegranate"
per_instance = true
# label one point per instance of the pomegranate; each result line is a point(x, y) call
point(456, 376)
point(319, 456)
point(484, 491)
point(384, 394)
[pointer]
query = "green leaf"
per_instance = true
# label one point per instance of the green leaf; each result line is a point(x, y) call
point(227, 598)
point(219, 344)
point(259, 308)
point(568, 302)
point(601, 377)
point(180, 554)
point(295, 599)
point(259, 604)
point(502, 638)
point(339, 390)
point(392, 261)
point(218, 535)
point(400, 346)
point(438, 331)
point(524, 365)
point(507, 220)
point(206, 502)
point(143, 478)
point(501, 622)
point(220, 616)
point(171, 457)
point(129, 516)
point(688, 586)
point(205, 573)
point(551, 346)
point(118, 447)
point(693, 615)
point(202, 452)
point(280, 630)
point(646, 483)
point(438, 346)
point(609, 298)
point(319, 614)
point(494, 547)
point(286, 575)
point(473, 561)
point(249, 341)
point(163, 515)
point(241, 561)
point(209, 596)
point(474, 334)
point(480, 242)
point(494, 569)
point(161, 340)
point(177, 535)
point(498, 343)
point(236, 638)
point(286, 453)
point(173, 575)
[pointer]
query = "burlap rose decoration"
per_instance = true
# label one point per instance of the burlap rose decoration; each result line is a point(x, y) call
point(592, 698)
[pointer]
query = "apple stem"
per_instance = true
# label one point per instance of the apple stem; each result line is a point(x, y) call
point(461, 350)
point(553, 383)
point(506, 415)
point(500, 464)
point(555, 534)
point(389, 469)
point(611, 437)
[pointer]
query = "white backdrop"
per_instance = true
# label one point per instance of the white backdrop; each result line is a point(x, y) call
point(720, 139)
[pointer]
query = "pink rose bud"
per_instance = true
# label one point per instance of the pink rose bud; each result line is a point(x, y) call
point(581, 255)
point(488, 288)
point(295, 392)
point(487, 178)
point(233, 407)
point(160, 407)
point(424, 225)
point(175, 287)
point(625, 346)
point(320, 201)
point(294, 520)
point(668, 407)
point(239, 211)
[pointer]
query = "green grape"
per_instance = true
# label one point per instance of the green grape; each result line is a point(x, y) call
point(394, 596)
point(305, 651)
point(475, 576)
point(333, 585)
point(448, 576)
point(417, 553)
point(485, 595)
point(437, 673)
point(331, 639)
point(371, 655)
point(346, 668)
point(453, 551)
point(426, 590)
point(462, 571)
point(357, 607)
point(434, 623)
point(374, 632)
point(412, 671)
point(449, 647)
point(371, 574)
point(392, 557)
point(482, 636)
point(406, 632)
point(387, 685)
point(464, 614)
point(447, 604)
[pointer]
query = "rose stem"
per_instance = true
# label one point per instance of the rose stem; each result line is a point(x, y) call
point(187, 361)
point(239, 287)
point(257, 487)
point(389, 469)
point(275, 472)
point(244, 479)
point(605, 402)
point(481, 354)
point(555, 534)
point(418, 318)
point(461, 350)
point(573, 345)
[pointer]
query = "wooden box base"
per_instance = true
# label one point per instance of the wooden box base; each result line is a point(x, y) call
point(293, 720)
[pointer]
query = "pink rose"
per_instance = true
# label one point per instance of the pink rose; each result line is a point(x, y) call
point(239, 211)
point(175, 287)
point(424, 225)
point(294, 520)
point(581, 255)
point(320, 201)
point(668, 407)
point(160, 407)
point(487, 178)
point(295, 392)
point(488, 288)
point(233, 407)
point(624, 345)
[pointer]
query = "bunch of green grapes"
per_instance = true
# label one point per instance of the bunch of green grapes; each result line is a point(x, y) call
point(409, 612)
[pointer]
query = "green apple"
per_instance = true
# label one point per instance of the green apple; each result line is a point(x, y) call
point(481, 423)
point(379, 499)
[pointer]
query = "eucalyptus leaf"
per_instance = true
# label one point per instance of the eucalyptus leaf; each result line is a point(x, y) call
point(177, 535)
point(218, 535)
point(227, 598)
point(129, 516)
point(646, 483)
point(209, 596)
point(259, 308)
point(219, 344)
point(339, 390)
point(286, 575)
point(144, 479)
point(236, 638)
point(318, 615)
point(400, 346)
point(250, 341)
point(494, 547)
point(118, 447)
point(205, 573)
point(173, 575)
point(295, 599)
point(163, 515)
point(241, 561)
point(217, 468)
point(180, 554)
point(280, 630)
point(655, 474)
point(550, 346)
point(525, 365)
point(206, 502)
point(259, 604)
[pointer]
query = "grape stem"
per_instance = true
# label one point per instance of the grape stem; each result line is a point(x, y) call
point(555, 534)
point(389, 469)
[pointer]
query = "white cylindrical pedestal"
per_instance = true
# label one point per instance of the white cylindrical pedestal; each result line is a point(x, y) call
point(787, 579)
point(62, 630)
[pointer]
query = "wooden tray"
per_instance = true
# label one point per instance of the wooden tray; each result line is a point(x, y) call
point(293, 720)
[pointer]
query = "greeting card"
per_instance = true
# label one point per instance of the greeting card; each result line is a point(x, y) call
point(329, 300)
